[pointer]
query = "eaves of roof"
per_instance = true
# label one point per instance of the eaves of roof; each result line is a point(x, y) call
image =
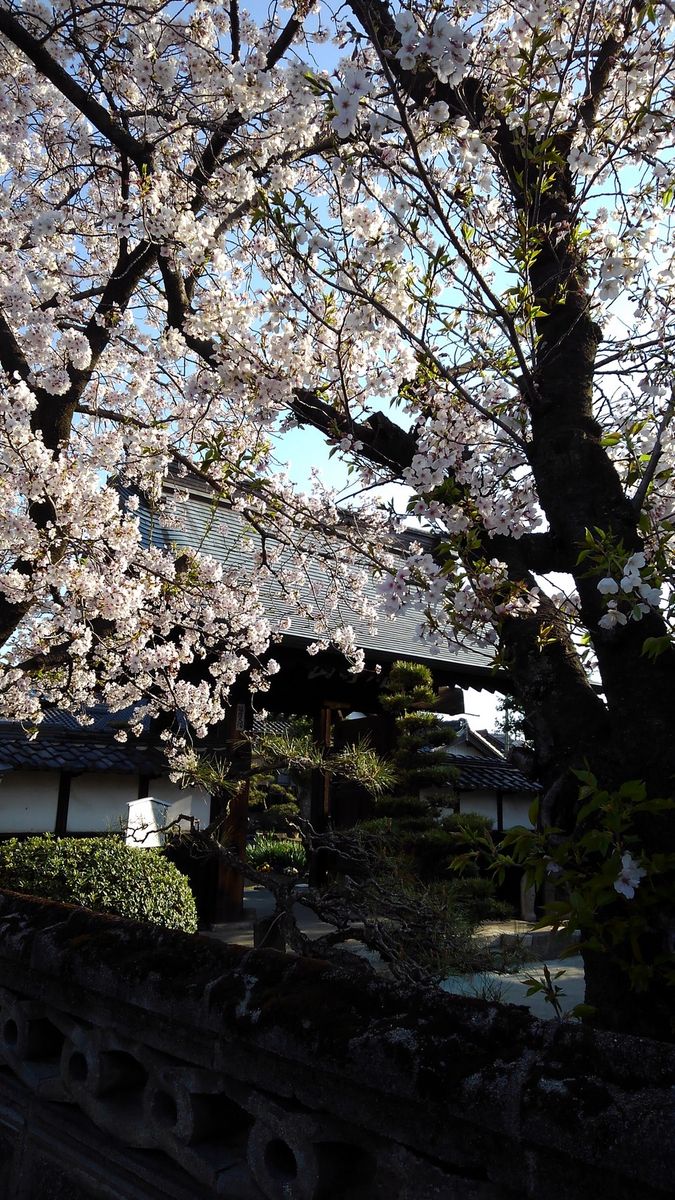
point(475, 774)
point(75, 755)
point(217, 531)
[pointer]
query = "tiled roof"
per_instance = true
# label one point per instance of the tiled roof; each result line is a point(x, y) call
point(63, 743)
point(214, 530)
point(58, 722)
point(478, 774)
point(55, 754)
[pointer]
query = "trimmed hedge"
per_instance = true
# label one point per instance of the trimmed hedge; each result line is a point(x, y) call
point(103, 874)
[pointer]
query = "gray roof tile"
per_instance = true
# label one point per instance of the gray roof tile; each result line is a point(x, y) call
point(477, 774)
point(215, 530)
point(63, 744)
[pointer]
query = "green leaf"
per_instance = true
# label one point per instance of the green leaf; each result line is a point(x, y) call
point(652, 647)
point(582, 1011)
point(599, 840)
point(633, 789)
point(592, 806)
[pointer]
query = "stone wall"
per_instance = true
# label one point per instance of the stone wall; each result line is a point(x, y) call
point(142, 1064)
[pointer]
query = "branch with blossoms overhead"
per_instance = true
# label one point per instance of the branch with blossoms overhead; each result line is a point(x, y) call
point(411, 252)
point(443, 242)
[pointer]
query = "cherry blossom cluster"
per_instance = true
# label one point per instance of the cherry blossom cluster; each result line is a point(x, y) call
point(444, 44)
point(629, 877)
point(209, 240)
point(637, 595)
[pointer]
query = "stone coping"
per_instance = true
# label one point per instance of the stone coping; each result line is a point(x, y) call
point(457, 1080)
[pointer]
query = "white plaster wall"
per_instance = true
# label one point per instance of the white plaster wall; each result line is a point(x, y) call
point(28, 801)
point(191, 801)
point(515, 810)
point(484, 803)
point(98, 802)
point(514, 807)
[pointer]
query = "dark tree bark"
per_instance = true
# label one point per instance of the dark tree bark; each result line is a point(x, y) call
point(629, 733)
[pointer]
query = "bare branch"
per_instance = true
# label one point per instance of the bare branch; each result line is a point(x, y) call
point(218, 140)
point(90, 108)
point(655, 456)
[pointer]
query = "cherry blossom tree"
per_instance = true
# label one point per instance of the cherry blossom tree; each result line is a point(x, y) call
point(439, 236)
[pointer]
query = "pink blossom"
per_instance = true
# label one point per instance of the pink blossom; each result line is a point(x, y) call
point(629, 877)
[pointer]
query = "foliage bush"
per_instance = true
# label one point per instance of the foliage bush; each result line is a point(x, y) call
point(278, 818)
point(420, 753)
point(426, 847)
point(476, 898)
point(432, 850)
point(103, 874)
point(402, 806)
point(277, 854)
point(468, 822)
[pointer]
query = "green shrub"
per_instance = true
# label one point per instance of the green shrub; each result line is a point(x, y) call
point(277, 854)
point(278, 818)
point(403, 806)
point(468, 822)
point(375, 825)
point(476, 898)
point(103, 874)
point(408, 825)
point(432, 850)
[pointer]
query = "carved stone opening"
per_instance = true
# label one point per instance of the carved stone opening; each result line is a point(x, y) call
point(101, 1072)
point(280, 1161)
point(31, 1038)
point(164, 1109)
point(121, 1072)
point(78, 1067)
point(344, 1169)
point(10, 1033)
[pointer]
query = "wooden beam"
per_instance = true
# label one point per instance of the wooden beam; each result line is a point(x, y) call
point(62, 804)
point(500, 812)
point(229, 899)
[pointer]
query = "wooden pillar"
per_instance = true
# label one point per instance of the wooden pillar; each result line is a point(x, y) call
point(229, 900)
point(62, 803)
point(500, 812)
point(320, 784)
point(319, 809)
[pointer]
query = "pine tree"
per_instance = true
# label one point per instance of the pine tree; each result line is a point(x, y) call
point(421, 743)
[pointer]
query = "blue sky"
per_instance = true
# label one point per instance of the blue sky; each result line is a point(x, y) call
point(305, 449)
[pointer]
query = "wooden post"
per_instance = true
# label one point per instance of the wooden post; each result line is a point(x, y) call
point(229, 901)
point(62, 804)
point(320, 793)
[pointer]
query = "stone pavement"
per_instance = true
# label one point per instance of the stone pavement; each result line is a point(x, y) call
point(509, 988)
